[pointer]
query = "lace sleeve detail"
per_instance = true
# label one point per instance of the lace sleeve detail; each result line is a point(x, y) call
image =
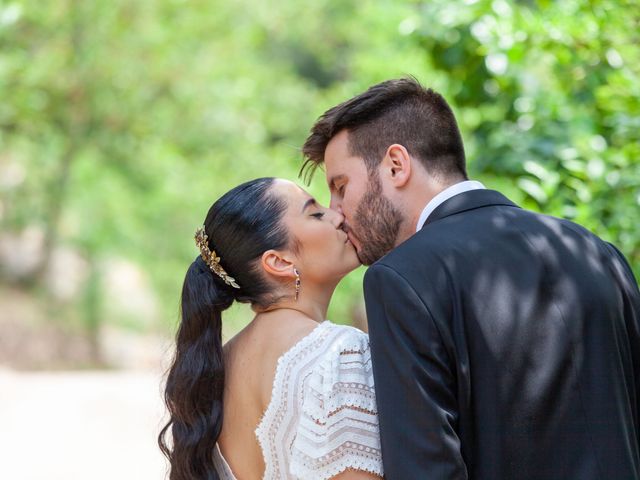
point(338, 427)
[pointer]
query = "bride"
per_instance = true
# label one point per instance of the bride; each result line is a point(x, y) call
point(291, 396)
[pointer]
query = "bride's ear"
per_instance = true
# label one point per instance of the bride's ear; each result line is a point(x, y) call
point(276, 264)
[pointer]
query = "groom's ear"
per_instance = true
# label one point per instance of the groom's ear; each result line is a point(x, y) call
point(277, 264)
point(396, 165)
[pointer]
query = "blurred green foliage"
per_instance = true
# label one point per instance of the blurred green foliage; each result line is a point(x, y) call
point(131, 117)
point(549, 100)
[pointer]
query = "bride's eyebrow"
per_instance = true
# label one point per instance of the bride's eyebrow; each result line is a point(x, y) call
point(308, 203)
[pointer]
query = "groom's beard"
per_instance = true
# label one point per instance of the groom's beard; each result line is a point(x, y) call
point(376, 223)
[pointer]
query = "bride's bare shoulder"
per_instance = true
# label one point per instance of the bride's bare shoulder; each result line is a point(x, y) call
point(252, 355)
point(270, 334)
point(283, 328)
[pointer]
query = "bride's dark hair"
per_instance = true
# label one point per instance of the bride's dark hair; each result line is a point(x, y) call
point(241, 225)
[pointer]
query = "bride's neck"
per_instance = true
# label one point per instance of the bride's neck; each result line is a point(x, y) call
point(312, 302)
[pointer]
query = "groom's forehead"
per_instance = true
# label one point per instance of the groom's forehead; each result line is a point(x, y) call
point(337, 147)
point(338, 158)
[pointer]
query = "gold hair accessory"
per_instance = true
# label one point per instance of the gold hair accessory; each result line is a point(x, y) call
point(211, 259)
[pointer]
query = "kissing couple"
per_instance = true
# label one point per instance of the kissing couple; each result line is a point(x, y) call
point(503, 343)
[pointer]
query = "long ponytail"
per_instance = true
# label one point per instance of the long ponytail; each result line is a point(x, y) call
point(240, 226)
point(195, 383)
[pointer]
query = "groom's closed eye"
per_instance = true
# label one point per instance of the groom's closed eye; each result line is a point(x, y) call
point(337, 184)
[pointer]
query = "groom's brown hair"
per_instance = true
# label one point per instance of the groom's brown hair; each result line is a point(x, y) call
point(395, 111)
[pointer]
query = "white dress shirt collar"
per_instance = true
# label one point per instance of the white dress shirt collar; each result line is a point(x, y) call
point(444, 195)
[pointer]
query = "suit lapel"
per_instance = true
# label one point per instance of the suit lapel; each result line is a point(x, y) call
point(468, 201)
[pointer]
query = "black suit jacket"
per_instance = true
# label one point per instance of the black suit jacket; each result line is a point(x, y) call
point(506, 345)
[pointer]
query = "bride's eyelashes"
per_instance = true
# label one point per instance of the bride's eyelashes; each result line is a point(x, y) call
point(318, 215)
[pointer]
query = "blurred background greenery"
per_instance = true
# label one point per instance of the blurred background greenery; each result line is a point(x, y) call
point(121, 121)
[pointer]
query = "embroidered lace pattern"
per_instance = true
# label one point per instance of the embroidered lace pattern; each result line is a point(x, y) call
point(322, 417)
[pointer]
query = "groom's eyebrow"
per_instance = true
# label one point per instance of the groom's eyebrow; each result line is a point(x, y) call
point(308, 203)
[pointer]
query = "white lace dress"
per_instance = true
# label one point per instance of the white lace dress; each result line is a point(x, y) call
point(322, 417)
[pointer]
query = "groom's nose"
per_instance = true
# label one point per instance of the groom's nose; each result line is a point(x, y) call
point(335, 204)
point(338, 219)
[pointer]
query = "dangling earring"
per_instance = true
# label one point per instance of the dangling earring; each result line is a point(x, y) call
point(295, 270)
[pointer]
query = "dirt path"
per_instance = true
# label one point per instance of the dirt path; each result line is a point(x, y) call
point(80, 425)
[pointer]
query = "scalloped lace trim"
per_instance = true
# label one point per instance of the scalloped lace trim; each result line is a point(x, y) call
point(338, 466)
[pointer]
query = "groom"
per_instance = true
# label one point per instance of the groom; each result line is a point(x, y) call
point(506, 344)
